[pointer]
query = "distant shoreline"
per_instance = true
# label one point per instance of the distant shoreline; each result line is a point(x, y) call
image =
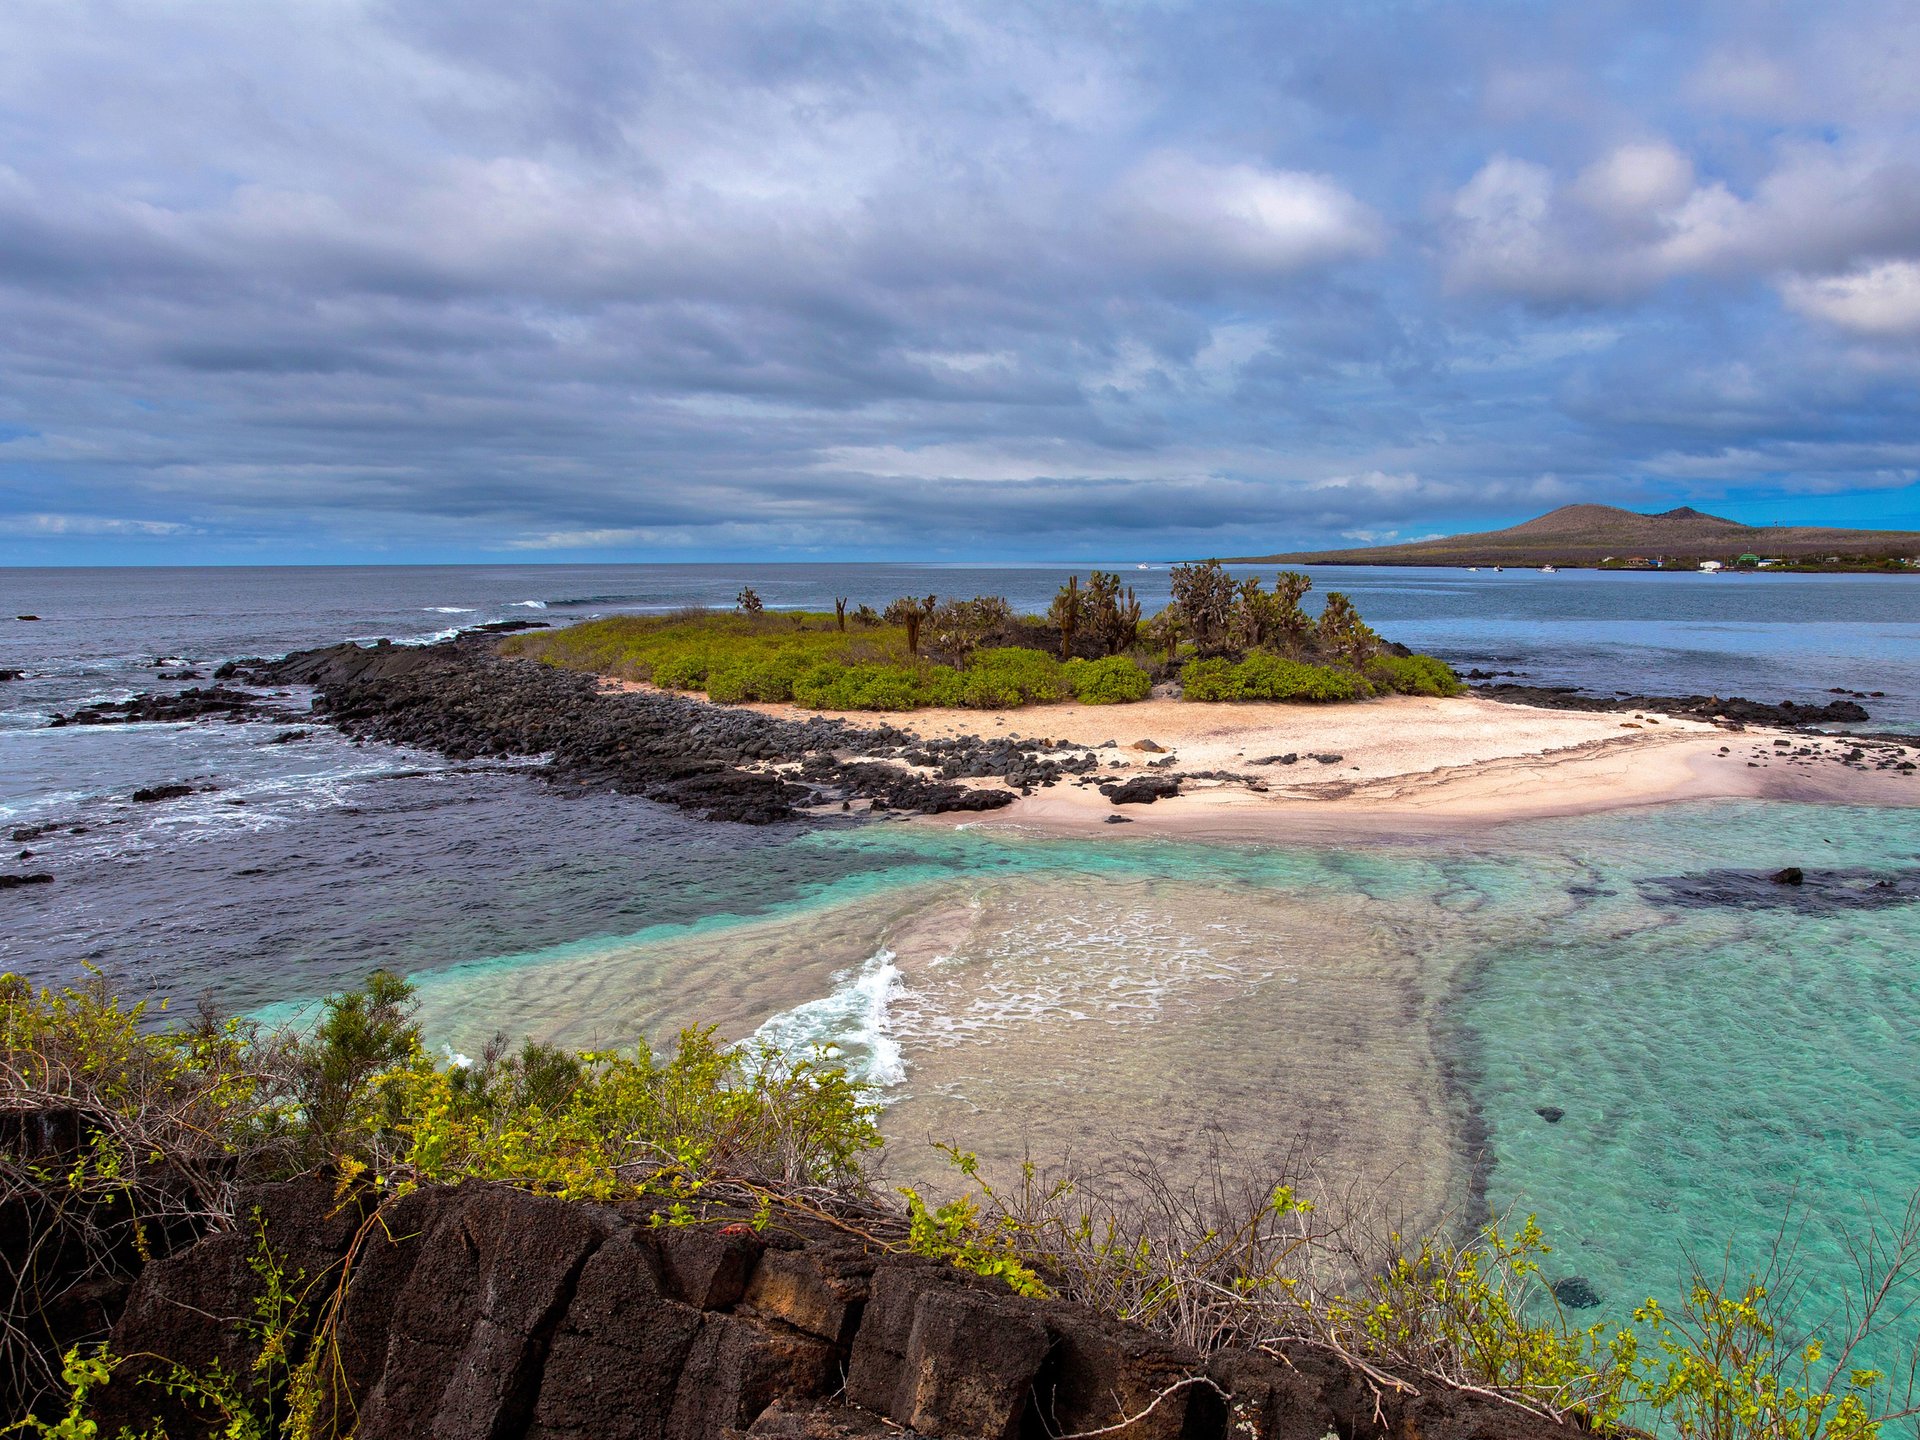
point(1520, 566)
point(1607, 537)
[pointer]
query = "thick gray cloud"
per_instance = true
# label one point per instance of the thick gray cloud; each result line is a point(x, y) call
point(337, 278)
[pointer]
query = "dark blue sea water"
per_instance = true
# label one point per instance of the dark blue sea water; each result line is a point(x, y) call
point(1557, 970)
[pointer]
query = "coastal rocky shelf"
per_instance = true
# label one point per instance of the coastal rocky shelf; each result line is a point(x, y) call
point(721, 762)
point(484, 1310)
point(1734, 709)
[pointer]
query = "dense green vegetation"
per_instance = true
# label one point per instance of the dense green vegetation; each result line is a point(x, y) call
point(1221, 639)
point(712, 1131)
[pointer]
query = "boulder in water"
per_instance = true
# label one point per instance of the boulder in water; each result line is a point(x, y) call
point(1576, 1292)
point(154, 793)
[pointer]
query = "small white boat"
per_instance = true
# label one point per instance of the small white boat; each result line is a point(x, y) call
point(1548, 570)
point(1473, 569)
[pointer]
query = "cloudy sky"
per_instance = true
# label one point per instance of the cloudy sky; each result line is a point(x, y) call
point(324, 280)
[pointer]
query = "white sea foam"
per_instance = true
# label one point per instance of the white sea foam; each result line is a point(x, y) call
point(450, 609)
point(532, 604)
point(855, 1018)
point(1119, 966)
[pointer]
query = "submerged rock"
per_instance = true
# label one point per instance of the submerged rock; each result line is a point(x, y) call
point(14, 882)
point(1576, 1292)
point(1552, 1114)
point(1820, 893)
point(193, 704)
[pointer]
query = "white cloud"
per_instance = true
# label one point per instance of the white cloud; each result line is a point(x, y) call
point(1882, 302)
point(1499, 220)
point(1632, 181)
point(1242, 216)
point(593, 539)
point(43, 525)
point(1639, 216)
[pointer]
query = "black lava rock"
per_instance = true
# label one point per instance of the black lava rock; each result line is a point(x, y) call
point(1576, 1292)
point(1699, 707)
point(1142, 790)
point(155, 793)
point(14, 882)
point(193, 704)
point(1792, 875)
point(1552, 1114)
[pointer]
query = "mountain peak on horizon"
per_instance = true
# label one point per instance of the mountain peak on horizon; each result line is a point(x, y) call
point(1583, 515)
point(1687, 512)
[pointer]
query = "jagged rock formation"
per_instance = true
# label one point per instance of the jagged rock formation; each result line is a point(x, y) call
point(482, 1311)
point(459, 698)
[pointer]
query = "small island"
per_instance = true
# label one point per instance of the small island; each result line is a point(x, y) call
point(1221, 639)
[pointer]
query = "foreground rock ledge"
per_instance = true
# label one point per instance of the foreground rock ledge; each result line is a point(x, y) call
point(482, 1311)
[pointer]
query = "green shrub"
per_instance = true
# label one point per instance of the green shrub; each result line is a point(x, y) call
point(770, 679)
point(1414, 675)
point(1010, 676)
point(858, 687)
point(680, 652)
point(729, 686)
point(1115, 680)
point(1210, 680)
point(681, 672)
point(1266, 676)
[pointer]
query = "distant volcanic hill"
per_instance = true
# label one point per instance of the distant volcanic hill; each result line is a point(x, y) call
point(1589, 534)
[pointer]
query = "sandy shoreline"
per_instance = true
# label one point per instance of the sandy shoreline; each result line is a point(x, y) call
point(1403, 763)
point(1108, 1012)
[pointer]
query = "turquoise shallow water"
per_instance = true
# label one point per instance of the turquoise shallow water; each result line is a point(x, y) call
point(1730, 1056)
point(1725, 1071)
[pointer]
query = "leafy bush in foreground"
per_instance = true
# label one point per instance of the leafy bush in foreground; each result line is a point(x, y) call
point(175, 1120)
point(1202, 1257)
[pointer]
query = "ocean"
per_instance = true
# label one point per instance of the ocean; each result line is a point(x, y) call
point(1721, 1059)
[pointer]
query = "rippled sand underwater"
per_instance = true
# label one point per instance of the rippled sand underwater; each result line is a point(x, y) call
point(1721, 1048)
